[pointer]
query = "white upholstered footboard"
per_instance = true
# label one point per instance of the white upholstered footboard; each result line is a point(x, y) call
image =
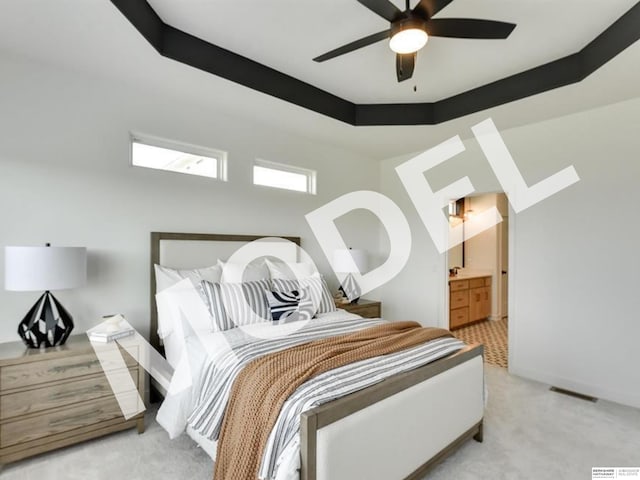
point(407, 423)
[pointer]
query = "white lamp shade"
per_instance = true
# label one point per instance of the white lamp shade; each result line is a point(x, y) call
point(44, 268)
point(344, 260)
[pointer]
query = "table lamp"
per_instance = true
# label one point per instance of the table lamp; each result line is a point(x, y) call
point(343, 262)
point(47, 323)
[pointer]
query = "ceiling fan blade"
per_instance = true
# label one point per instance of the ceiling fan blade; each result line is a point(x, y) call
point(469, 28)
point(405, 64)
point(384, 8)
point(428, 8)
point(350, 47)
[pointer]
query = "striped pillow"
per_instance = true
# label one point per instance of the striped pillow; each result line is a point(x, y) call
point(318, 290)
point(234, 304)
point(290, 306)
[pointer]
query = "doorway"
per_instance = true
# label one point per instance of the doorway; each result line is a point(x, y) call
point(474, 261)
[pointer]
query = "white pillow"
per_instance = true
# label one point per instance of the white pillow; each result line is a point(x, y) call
point(181, 309)
point(235, 272)
point(167, 277)
point(290, 270)
point(168, 320)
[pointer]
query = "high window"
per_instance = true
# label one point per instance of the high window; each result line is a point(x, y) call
point(161, 154)
point(277, 175)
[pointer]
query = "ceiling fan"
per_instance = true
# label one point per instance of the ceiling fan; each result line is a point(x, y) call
point(410, 30)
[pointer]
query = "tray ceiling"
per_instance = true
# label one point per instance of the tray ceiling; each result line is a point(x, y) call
point(266, 47)
point(287, 34)
point(92, 40)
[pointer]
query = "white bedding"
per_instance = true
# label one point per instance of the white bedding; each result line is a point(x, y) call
point(176, 408)
point(289, 460)
point(212, 364)
point(206, 347)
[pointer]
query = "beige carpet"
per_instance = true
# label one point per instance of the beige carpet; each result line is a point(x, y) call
point(530, 434)
point(493, 335)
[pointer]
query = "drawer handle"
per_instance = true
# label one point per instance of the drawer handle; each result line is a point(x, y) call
point(64, 368)
point(74, 393)
point(88, 417)
point(73, 419)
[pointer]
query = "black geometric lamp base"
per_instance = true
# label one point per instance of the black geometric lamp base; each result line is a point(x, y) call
point(350, 289)
point(47, 324)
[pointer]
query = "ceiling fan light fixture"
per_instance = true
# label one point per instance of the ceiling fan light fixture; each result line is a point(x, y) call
point(408, 36)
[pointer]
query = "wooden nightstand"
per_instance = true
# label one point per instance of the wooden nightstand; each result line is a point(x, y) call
point(364, 308)
point(54, 397)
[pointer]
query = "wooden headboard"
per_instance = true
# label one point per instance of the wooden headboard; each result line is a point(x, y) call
point(202, 250)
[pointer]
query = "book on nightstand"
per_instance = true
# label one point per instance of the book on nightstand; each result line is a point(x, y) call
point(112, 328)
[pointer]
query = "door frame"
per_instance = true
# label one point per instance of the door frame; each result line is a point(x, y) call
point(443, 308)
point(500, 313)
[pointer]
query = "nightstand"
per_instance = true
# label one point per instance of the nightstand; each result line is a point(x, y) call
point(54, 397)
point(364, 308)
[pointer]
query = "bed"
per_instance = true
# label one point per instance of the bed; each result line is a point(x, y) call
point(394, 429)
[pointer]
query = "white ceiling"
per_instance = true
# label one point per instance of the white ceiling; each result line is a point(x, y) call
point(91, 37)
point(287, 34)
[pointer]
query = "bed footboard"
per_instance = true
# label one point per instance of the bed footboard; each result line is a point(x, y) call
point(398, 428)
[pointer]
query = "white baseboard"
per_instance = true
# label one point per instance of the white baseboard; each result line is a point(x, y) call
point(623, 398)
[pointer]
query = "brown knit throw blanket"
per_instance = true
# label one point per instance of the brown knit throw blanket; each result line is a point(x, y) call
point(262, 387)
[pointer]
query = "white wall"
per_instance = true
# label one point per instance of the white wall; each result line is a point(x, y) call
point(481, 251)
point(65, 178)
point(455, 253)
point(574, 277)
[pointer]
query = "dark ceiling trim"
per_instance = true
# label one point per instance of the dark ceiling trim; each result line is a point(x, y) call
point(182, 47)
point(145, 19)
point(197, 53)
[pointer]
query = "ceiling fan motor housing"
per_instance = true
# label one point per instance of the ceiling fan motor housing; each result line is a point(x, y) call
point(409, 31)
point(408, 22)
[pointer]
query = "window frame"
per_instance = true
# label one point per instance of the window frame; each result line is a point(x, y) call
point(310, 174)
point(152, 141)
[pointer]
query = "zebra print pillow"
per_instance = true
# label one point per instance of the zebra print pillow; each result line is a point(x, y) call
point(234, 304)
point(290, 306)
point(318, 290)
